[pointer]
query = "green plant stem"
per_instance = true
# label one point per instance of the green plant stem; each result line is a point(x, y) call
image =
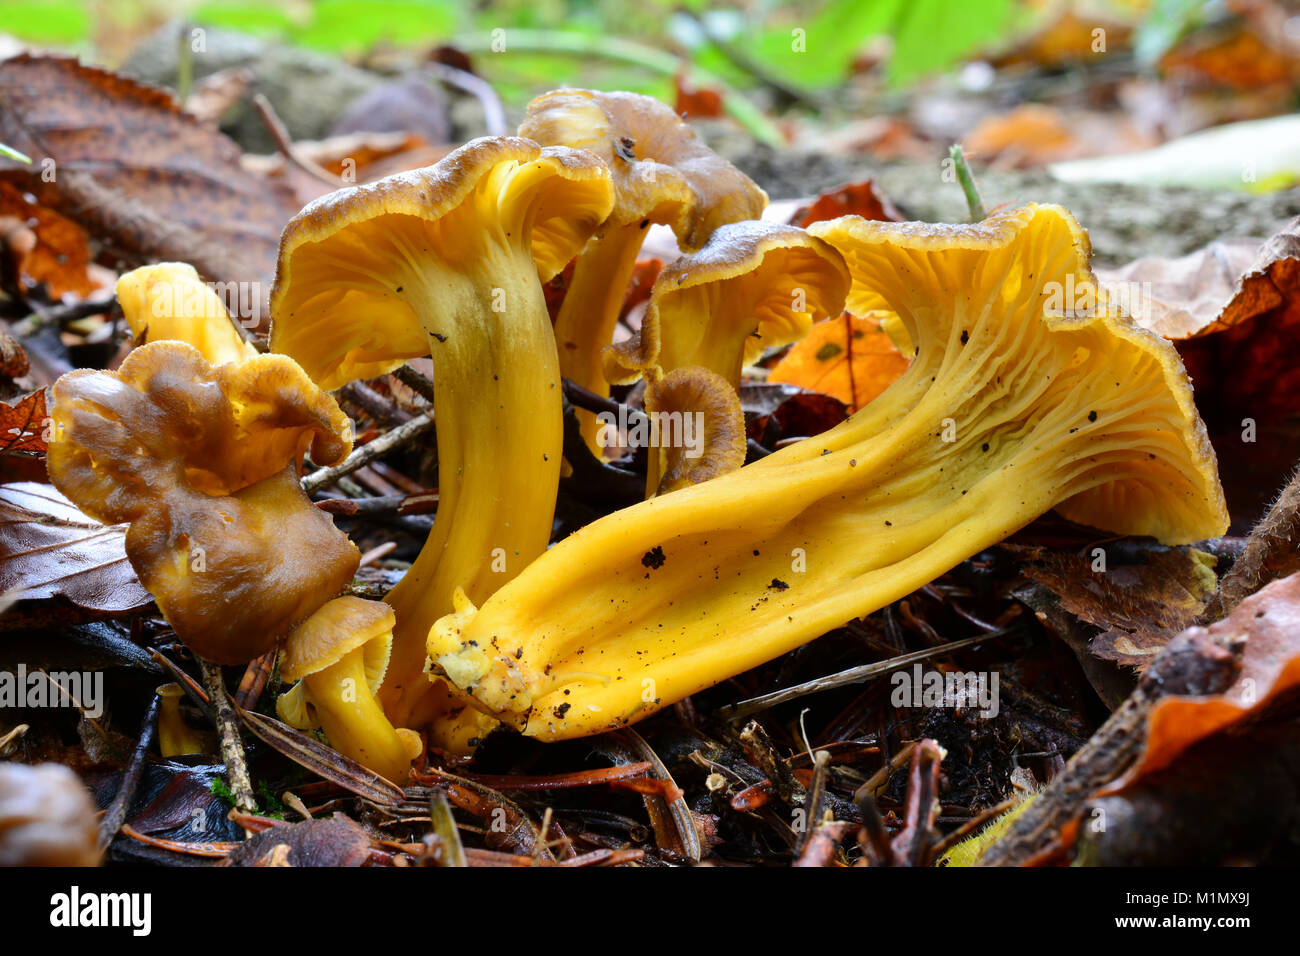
point(973, 201)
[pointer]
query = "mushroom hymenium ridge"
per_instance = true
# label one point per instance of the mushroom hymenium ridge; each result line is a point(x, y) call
point(448, 261)
point(1007, 411)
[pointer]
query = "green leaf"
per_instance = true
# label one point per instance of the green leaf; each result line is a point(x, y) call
point(46, 21)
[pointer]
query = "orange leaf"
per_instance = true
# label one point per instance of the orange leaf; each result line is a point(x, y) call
point(850, 358)
point(22, 426)
point(696, 101)
point(854, 199)
point(62, 250)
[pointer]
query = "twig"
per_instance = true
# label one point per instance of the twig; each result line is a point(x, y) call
point(638, 54)
point(60, 314)
point(443, 843)
point(415, 382)
point(373, 404)
point(494, 114)
point(973, 201)
point(1196, 662)
point(284, 144)
point(232, 748)
point(116, 812)
point(368, 453)
point(854, 675)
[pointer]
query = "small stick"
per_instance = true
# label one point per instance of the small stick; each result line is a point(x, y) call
point(232, 749)
point(116, 812)
point(415, 382)
point(854, 675)
point(368, 453)
point(275, 126)
point(494, 115)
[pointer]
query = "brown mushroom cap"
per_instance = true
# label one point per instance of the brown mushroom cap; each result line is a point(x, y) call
point(705, 432)
point(754, 285)
point(662, 171)
point(353, 265)
point(198, 459)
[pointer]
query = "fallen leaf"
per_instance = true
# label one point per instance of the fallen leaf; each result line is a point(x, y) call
point(1269, 624)
point(1177, 298)
point(850, 358)
point(1236, 56)
point(13, 360)
point(853, 199)
point(1242, 362)
point(50, 549)
point(62, 251)
point(774, 412)
point(698, 102)
point(1034, 135)
point(1065, 39)
point(22, 426)
point(1139, 608)
point(125, 162)
point(336, 841)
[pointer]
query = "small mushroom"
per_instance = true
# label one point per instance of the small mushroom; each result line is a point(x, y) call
point(448, 261)
point(201, 461)
point(699, 428)
point(46, 817)
point(663, 174)
point(338, 657)
point(754, 286)
point(1012, 406)
point(169, 301)
point(175, 736)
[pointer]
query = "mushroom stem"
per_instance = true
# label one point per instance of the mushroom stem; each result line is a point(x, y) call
point(500, 432)
point(1008, 410)
point(590, 310)
point(353, 721)
point(175, 736)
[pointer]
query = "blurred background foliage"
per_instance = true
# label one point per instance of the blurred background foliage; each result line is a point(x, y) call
point(811, 44)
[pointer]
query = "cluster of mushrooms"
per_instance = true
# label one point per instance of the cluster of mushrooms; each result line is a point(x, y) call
point(1007, 411)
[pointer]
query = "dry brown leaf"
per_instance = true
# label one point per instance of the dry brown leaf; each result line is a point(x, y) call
point(62, 251)
point(1035, 135)
point(1244, 361)
point(49, 549)
point(1269, 624)
point(135, 171)
point(1139, 608)
point(849, 357)
point(696, 101)
point(1180, 297)
point(853, 199)
point(22, 425)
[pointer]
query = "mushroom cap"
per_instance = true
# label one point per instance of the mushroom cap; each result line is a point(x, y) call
point(760, 274)
point(719, 443)
point(47, 817)
point(342, 302)
point(199, 459)
point(662, 171)
point(168, 300)
point(1029, 267)
point(334, 631)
